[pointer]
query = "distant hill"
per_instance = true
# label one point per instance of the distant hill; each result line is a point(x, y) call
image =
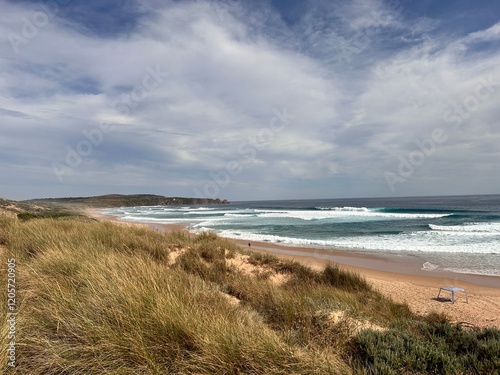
point(119, 200)
point(15, 206)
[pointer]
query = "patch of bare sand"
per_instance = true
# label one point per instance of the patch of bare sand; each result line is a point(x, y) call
point(352, 324)
point(483, 309)
point(13, 207)
point(174, 254)
point(241, 262)
point(5, 212)
point(231, 299)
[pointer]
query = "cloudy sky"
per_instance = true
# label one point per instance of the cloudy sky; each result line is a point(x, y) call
point(245, 100)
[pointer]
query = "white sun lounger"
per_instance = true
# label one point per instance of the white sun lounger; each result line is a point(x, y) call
point(453, 290)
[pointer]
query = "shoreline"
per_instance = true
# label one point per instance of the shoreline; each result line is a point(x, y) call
point(397, 265)
point(398, 277)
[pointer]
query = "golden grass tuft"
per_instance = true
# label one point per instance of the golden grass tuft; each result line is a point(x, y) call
point(100, 298)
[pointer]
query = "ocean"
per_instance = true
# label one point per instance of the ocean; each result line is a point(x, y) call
point(458, 233)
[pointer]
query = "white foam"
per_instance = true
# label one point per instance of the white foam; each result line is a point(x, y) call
point(484, 228)
point(153, 219)
point(271, 238)
point(203, 229)
point(334, 214)
point(349, 209)
point(480, 238)
point(428, 266)
point(482, 271)
point(423, 242)
point(340, 214)
point(204, 212)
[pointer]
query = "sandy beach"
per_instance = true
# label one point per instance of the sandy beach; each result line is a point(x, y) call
point(398, 277)
point(409, 284)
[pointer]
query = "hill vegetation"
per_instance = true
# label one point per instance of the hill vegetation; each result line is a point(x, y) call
point(104, 298)
point(7, 205)
point(119, 200)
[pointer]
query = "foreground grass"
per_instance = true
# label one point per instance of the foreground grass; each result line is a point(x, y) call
point(100, 298)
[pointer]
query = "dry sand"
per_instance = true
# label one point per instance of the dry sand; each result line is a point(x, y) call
point(404, 281)
point(398, 277)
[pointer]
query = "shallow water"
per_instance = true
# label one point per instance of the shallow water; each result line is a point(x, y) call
point(457, 234)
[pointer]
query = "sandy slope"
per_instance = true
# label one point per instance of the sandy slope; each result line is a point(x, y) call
point(409, 284)
point(420, 288)
point(483, 309)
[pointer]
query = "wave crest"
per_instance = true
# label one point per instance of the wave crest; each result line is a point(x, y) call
point(348, 209)
point(472, 228)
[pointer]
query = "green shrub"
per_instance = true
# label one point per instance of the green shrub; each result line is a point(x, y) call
point(25, 216)
point(393, 352)
point(428, 348)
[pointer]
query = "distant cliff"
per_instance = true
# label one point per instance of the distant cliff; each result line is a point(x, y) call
point(118, 200)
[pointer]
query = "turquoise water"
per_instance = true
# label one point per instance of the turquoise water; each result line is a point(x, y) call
point(458, 234)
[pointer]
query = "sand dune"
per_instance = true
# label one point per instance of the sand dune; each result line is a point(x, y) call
point(411, 285)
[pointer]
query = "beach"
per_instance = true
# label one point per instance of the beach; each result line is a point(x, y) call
point(409, 284)
point(400, 278)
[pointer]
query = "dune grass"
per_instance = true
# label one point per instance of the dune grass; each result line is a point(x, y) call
point(101, 298)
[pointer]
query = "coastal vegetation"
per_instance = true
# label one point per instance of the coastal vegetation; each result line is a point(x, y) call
point(130, 200)
point(106, 298)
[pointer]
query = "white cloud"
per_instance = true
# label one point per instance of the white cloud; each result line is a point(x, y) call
point(356, 108)
point(492, 33)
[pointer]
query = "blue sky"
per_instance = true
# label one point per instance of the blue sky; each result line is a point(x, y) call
point(250, 99)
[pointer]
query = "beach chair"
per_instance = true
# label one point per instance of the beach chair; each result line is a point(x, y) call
point(453, 290)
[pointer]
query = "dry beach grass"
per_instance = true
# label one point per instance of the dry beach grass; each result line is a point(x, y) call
point(98, 298)
point(417, 289)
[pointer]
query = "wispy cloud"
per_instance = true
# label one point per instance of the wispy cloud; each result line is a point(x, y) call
point(365, 81)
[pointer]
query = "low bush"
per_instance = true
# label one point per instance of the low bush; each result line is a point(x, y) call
point(428, 348)
point(25, 216)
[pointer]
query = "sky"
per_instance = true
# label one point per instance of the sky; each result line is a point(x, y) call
point(249, 100)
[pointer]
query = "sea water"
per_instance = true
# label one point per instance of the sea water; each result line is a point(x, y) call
point(458, 234)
